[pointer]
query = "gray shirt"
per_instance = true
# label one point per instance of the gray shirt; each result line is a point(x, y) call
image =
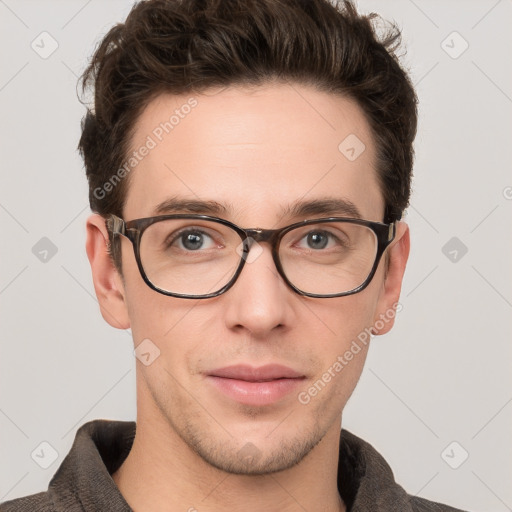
point(83, 481)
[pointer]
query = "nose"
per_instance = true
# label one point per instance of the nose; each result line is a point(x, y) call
point(259, 301)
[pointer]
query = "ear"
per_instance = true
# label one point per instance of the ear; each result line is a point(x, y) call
point(108, 284)
point(392, 285)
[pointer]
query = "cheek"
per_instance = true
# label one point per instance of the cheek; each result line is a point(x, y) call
point(143, 307)
point(327, 394)
point(173, 326)
point(150, 312)
point(341, 329)
point(338, 321)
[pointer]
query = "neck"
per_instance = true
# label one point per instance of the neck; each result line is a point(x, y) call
point(161, 473)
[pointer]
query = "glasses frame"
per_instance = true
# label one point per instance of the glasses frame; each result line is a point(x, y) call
point(134, 229)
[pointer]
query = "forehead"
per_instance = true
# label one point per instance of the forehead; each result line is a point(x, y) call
point(255, 150)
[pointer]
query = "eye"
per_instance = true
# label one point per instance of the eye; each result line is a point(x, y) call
point(193, 240)
point(318, 240)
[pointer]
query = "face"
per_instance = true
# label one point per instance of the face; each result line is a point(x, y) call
point(256, 151)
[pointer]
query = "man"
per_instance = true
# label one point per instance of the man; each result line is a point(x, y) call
point(248, 164)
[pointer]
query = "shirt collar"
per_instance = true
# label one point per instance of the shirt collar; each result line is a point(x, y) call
point(365, 481)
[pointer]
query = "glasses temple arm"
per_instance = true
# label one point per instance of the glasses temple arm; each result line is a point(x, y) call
point(115, 225)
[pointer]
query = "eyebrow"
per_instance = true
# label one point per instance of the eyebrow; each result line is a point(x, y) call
point(328, 206)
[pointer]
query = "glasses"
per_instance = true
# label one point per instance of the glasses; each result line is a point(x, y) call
point(198, 256)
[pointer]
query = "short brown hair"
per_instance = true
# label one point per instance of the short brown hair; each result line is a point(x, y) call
point(182, 46)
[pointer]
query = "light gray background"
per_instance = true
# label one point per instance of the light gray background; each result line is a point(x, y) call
point(441, 375)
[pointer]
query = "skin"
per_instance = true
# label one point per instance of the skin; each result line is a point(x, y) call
point(258, 149)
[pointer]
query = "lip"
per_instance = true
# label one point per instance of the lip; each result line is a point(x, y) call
point(255, 386)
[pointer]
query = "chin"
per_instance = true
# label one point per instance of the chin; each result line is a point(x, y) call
point(259, 453)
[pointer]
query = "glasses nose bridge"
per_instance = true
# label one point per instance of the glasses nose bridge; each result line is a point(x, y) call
point(262, 235)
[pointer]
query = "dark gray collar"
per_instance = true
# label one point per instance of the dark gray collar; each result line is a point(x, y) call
point(83, 481)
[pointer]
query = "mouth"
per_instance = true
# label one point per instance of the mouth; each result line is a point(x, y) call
point(255, 386)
